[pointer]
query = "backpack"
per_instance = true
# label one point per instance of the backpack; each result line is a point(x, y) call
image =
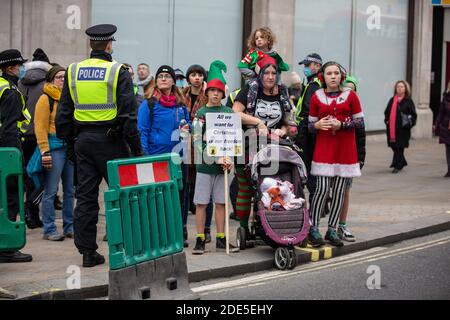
point(51, 102)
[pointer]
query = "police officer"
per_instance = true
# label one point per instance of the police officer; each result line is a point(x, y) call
point(306, 140)
point(13, 116)
point(98, 117)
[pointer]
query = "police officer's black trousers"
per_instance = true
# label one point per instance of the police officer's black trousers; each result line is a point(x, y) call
point(93, 150)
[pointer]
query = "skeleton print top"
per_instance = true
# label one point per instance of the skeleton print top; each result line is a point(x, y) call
point(267, 108)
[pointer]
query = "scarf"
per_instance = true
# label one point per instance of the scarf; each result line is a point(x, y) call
point(393, 119)
point(168, 101)
point(193, 108)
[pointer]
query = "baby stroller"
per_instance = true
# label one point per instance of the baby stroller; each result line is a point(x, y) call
point(282, 230)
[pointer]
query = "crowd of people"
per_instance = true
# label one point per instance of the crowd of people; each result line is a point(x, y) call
point(69, 122)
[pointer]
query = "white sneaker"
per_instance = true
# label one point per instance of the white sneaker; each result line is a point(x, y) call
point(345, 234)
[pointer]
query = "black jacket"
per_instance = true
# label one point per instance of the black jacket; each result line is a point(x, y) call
point(126, 120)
point(305, 139)
point(402, 134)
point(10, 113)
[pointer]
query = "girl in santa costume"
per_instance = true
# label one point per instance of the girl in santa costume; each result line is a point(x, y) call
point(334, 114)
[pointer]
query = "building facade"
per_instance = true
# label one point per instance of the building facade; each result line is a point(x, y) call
point(377, 41)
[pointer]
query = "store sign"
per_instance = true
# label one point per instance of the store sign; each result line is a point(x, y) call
point(440, 2)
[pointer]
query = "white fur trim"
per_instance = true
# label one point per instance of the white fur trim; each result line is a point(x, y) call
point(358, 115)
point(322, 96)
point(313, 119)
point(37, 65)
point(335, 170)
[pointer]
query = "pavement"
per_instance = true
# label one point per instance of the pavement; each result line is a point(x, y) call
point(384, 209)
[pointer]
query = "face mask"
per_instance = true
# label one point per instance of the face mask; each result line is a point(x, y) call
point(180, 83)
point(307, 71)
point(22, 72)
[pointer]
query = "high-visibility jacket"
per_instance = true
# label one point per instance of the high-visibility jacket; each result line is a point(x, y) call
point(299, 108)
point(26, 116)
point(93, 88)
point(234, 94)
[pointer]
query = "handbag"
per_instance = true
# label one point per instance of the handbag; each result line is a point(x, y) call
point(406, 120)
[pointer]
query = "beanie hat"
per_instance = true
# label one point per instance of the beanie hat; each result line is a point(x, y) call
point(197, 69)
point(39, 55)
point(263, 62)
point(50, 76)
point(215, 76)
point(166, 69)
point(353, 80)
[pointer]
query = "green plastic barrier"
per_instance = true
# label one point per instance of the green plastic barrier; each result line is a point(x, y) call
point(12, 234)
point(143, 213)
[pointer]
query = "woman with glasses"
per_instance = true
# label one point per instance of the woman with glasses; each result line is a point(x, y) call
point(163, 121)
point(54, 158)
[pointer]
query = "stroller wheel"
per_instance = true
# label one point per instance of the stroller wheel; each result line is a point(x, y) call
point(292, 259)
point(282, 258)
point(241, 238)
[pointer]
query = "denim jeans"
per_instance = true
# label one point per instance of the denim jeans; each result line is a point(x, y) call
point(61, 169)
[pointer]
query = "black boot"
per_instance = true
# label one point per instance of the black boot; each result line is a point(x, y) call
point(32, 218)
point(185, 238)
point(57, 203)
point(91, 259)
point(14, 257)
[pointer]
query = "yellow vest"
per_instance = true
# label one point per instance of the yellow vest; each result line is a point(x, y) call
point(93, 87)
point(299, 108)
point(234, 94)
point(26, 117)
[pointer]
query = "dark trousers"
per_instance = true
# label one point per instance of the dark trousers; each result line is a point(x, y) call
point(399, 160)
point(93, 150)
point(29, 146)
point(447, 152)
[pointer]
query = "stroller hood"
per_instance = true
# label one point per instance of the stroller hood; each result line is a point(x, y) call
point(274, 153)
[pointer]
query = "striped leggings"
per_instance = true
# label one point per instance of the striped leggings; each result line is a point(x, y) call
point(244, 196)
point(324, 184)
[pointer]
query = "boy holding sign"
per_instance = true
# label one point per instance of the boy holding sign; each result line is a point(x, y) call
point(210, 170)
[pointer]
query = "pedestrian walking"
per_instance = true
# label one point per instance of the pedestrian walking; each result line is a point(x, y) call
point(96, 117)
point(400, 117)
point(442, 126)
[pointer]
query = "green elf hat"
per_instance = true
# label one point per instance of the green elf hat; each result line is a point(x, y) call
point(215, 76)
point(353, 80)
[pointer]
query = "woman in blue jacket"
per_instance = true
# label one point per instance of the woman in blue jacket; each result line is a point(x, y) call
point(162, 118)
point(167, 110)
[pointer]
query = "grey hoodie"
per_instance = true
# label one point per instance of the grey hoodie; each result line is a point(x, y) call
point(32, 86)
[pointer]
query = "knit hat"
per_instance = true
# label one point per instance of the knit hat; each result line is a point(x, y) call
point(353, 80)
point(166, 69)
point(50, 76)
point(263, 62)
point(197, 69)
point(215, 76)
point(39, 55)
